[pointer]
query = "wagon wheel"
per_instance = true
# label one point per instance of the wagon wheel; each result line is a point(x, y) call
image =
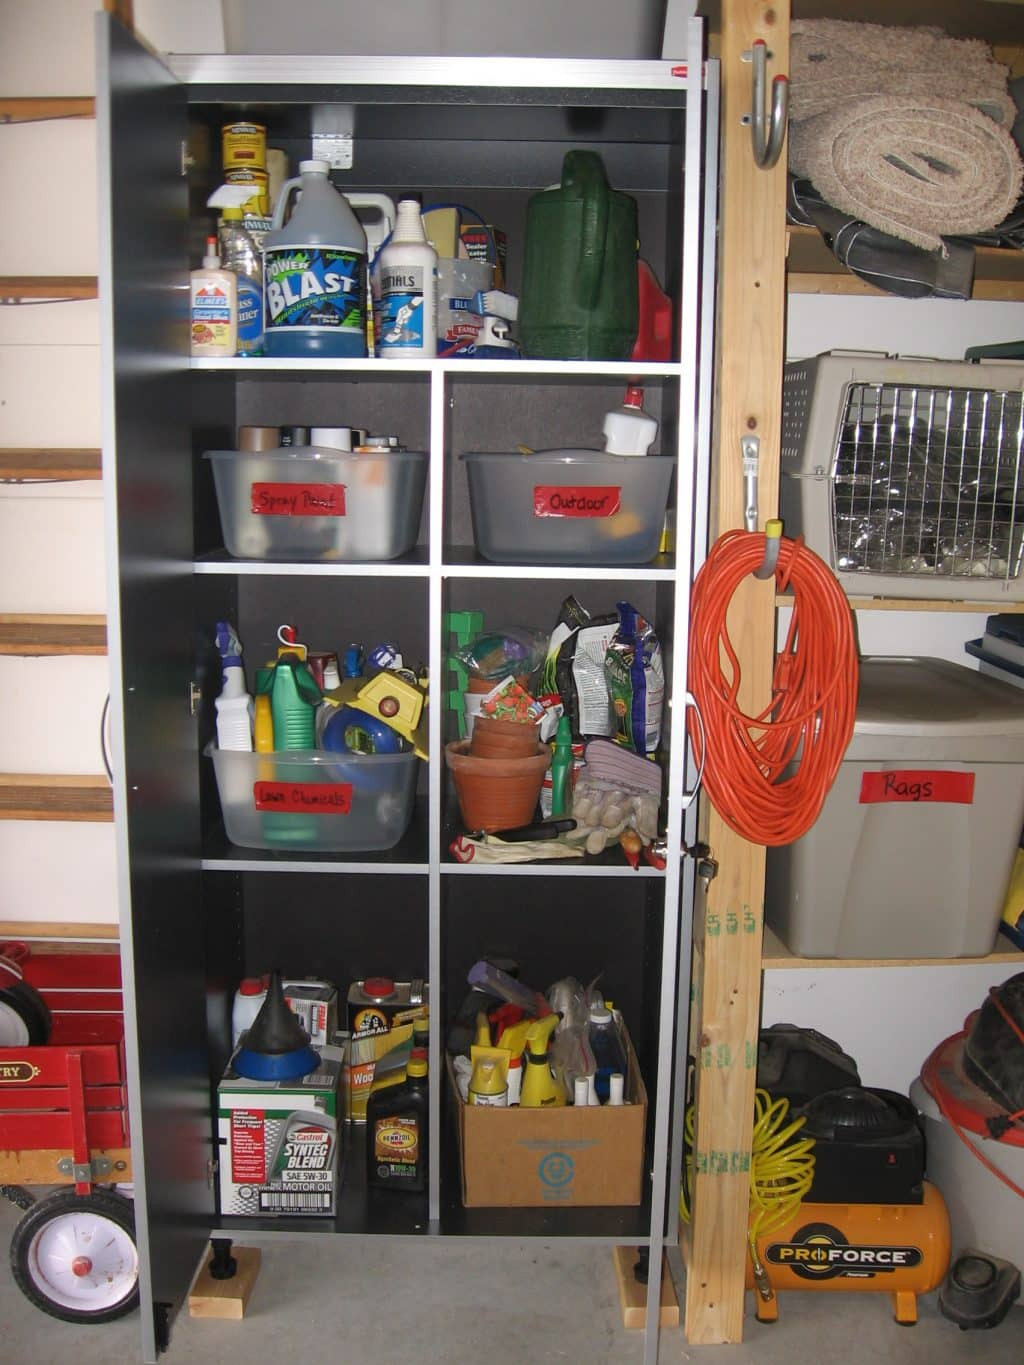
point(74, 1256)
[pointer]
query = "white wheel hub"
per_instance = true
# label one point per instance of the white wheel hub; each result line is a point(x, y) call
point(83, 1261)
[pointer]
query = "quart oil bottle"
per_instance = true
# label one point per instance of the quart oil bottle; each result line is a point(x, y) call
point(396, 1131)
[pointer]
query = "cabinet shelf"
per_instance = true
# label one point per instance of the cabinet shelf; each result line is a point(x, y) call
point(383, 369)
point(31, 796)
point(32, 636)
point(776, 956)
point(17, 288)
point(412, 565)
point(49, 466)
point(812, 269)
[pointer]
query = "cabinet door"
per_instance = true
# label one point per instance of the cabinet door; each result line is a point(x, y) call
point(147, 471)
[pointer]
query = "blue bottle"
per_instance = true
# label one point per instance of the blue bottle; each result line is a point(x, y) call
point(314, 272)
point(606, 1043)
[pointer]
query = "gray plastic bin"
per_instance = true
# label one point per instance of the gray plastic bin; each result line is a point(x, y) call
point(912, 852)
point(568, 506)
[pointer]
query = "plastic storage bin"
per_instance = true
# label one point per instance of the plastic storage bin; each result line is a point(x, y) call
point(911, 854)
point(568, 506)
point(305, 503)
point(315, 802)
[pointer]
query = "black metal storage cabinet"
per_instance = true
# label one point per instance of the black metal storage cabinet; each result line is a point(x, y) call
point(198, 913)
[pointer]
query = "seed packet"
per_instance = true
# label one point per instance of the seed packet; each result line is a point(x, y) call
point(635, 677)
point(510, 701)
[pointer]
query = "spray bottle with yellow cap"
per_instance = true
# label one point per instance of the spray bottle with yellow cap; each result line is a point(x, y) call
point(541, 1090)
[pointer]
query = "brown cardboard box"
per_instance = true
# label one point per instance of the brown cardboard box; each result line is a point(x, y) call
point(567, 1157)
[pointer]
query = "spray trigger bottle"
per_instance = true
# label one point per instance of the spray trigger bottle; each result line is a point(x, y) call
point(540, 1088)
point(234, 705)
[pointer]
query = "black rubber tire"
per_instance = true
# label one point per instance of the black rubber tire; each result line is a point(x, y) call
point(102, 1203)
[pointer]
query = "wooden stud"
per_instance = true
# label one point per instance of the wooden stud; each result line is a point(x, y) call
point(53, 796)
point(50, 465)
point(225, 1299)
point(728, 927)
point(33, 109)
point(33, 636)
point(60, 936)
point(633, 1294)
point(15, 288)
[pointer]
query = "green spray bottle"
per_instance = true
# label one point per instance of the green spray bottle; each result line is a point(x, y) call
point(561, 768)
point(294, 697)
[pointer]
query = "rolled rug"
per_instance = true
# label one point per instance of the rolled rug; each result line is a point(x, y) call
point(916, 167)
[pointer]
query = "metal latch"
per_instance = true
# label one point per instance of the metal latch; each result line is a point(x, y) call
point(707, 865)
point(83, 1172)
point(195, 696)
point(212, 1166)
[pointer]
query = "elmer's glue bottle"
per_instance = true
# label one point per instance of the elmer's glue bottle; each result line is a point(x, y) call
point(213, 316)
point(314, 272)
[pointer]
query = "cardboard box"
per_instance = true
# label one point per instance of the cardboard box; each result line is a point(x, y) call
point(475, 244)
point(279, 1143)
point(535, 1158)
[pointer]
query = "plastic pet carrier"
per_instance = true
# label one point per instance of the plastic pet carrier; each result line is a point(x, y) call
point(905, 476)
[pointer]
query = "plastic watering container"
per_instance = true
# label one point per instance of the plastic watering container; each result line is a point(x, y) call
point(579, 296)
point(314, 269)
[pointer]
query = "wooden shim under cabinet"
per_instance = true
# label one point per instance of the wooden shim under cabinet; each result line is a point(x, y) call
point(40, 108)
point(633, 1294)
point(48, 796)
point(15, 288)
point(775, 956)
point(34, 636)
point(50, 465)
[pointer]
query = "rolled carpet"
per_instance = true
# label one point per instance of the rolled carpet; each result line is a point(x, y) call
point(917, 167)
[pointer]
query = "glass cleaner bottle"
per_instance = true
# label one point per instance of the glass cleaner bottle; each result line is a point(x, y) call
point(240, 254)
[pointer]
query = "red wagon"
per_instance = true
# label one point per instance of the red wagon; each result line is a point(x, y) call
point(64, 1123)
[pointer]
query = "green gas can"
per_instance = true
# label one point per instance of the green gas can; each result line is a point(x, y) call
point(579, 292)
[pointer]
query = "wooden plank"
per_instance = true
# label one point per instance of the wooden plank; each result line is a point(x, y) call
point(751, 309)
point(633, 1294)
point(38, 109)
point(776, 956)
point(34, 636)
point(918, 604)
point(39, 1166)
point(51, 796)
point(60, 936)
point(225, 1299)
point(15, 288)
point(813, 269)
point(55, 465)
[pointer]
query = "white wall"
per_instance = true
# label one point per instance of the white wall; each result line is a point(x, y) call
point(889, 1019)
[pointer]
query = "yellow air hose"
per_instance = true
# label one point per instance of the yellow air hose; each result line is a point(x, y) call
point(781, 1172)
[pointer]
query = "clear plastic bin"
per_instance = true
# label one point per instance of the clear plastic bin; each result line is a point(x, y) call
point(301, 502)
point(315, 802)
point(568, 506)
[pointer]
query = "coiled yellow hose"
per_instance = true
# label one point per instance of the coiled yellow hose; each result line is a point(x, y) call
point(781, 1172)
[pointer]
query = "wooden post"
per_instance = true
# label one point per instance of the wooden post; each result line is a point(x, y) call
point(750, 335)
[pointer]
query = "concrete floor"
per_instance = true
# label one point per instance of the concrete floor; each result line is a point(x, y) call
point(443, 1305)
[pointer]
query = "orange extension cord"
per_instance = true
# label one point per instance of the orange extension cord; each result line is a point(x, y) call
point(814, 692)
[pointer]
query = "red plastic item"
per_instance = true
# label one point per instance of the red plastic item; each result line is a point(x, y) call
point(654, 333)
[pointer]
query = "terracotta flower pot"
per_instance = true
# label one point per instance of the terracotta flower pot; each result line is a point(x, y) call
point(493, 738)
point(488, 684)
point(496, 793)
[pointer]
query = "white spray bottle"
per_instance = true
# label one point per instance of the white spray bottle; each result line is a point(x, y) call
point(405, 289)
point(234, 705)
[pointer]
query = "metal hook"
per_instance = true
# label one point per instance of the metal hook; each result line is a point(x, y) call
point(767, 145)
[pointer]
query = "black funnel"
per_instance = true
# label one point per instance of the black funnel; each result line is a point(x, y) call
point(276, 1048)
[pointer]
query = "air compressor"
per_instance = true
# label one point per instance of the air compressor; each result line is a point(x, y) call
point(869, 1222)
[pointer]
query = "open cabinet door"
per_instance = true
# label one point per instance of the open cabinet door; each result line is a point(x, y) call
point(143, 209)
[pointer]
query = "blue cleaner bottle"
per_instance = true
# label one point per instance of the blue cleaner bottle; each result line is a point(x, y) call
point(314, 272)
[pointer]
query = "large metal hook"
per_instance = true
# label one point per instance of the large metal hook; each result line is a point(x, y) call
point(767, 144)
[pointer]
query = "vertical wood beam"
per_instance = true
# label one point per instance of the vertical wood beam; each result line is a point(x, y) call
point(751, 303)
